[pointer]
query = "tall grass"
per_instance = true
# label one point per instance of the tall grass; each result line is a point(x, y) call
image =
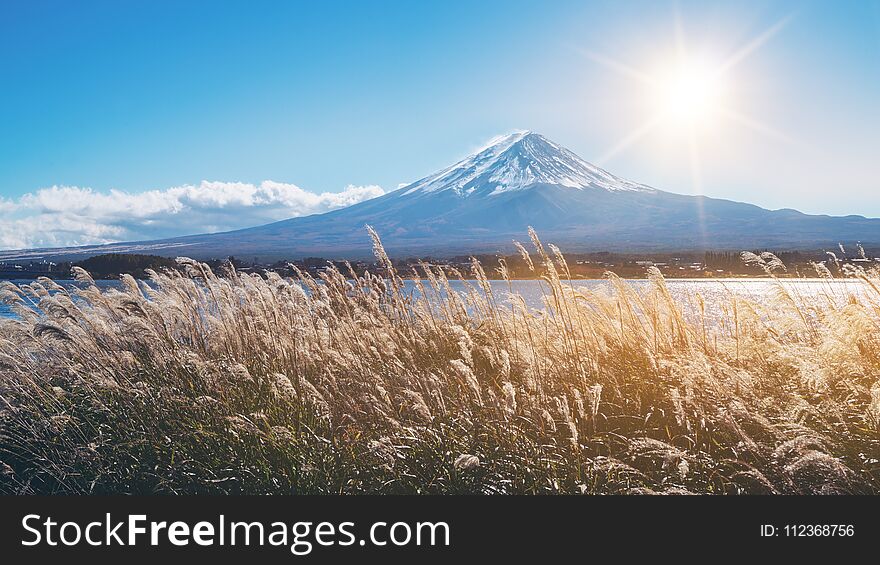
point(199, 383)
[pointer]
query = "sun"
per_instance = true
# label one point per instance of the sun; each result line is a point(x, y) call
point(688, 94)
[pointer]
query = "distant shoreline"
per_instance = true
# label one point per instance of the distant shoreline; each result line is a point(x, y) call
point(742, 278)
point(698, 266)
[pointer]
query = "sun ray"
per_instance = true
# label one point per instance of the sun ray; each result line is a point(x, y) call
point(690, 95)
point(697, 182)
point(680, 44)
point(630, 139)
point(757, 126)
point(753, 45)
point(618, 67)
point(696, 162)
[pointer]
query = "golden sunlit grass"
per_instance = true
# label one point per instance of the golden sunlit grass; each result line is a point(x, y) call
point(243, 384)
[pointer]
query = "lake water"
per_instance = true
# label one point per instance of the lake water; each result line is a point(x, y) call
point(713, 291)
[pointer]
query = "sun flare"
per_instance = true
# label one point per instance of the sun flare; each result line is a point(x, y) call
point(688, 95)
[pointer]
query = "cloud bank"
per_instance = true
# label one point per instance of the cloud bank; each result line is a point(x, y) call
point(63, 216)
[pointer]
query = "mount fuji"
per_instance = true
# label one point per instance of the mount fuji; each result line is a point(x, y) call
point(482, 203)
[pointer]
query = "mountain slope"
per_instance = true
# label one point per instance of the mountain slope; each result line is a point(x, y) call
point(483, 202)
point(517, 162)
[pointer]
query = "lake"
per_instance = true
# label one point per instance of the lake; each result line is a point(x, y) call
point(713, 291)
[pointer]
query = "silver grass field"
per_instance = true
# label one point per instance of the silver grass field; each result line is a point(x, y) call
point(201, 383)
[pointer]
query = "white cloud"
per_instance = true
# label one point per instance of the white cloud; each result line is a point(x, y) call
point(68, 215)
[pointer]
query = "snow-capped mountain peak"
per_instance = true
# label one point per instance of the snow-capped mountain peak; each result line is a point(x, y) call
point(484, 202)
point(519, 161)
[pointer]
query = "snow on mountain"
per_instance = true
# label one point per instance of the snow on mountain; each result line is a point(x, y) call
point(519, 161)
point(484, 202)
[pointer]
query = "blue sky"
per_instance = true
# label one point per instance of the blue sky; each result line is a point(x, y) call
point(116, 103)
